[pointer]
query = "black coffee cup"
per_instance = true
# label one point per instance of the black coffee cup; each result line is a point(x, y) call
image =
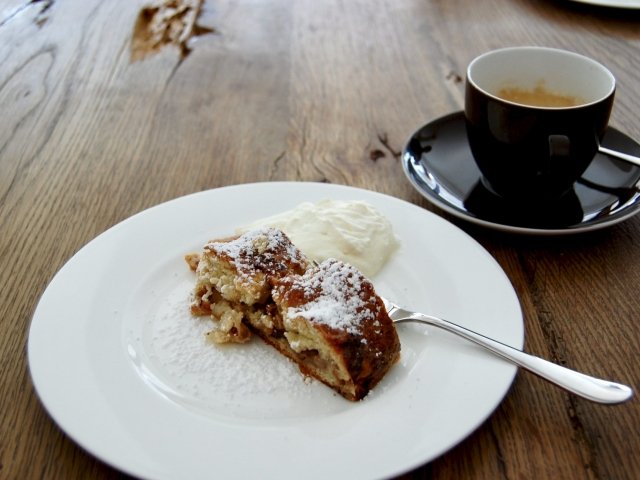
point(535, 117)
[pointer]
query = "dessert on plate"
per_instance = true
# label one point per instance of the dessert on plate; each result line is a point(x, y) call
point(325, 317)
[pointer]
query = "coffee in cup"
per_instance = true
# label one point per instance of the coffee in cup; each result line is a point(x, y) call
point(534, 118)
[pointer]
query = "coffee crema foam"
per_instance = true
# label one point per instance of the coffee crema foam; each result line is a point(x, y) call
point(539, 96)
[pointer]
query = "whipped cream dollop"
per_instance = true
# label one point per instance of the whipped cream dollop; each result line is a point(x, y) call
point(351, 231)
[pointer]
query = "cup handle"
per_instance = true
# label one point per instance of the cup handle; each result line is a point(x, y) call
point(559, 146)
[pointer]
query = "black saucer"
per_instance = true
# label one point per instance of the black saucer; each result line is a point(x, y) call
point(438, 162)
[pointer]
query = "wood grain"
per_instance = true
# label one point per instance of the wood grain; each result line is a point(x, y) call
point(310, 90)
point(166, 23)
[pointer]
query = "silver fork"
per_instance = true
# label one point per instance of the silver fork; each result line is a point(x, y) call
point(594, 389)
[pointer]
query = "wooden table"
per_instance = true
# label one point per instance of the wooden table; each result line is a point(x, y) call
point(311, 90)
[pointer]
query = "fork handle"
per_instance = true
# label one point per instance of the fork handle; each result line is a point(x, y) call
point(591, 388)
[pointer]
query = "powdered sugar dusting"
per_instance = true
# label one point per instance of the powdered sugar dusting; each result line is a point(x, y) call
point(268, 243)
point(243, 381)
point(335, 289)
point(201, 368)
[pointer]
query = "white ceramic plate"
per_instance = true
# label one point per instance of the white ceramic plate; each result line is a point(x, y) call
point(123, 368)
point(612, 3)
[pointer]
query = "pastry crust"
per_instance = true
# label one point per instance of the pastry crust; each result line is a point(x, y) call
point(327, 318)
point(336, 327)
